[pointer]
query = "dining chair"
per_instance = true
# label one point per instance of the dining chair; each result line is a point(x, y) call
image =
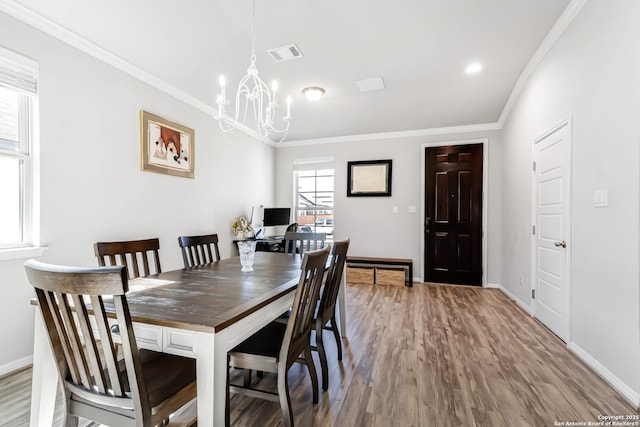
point(196, 250)
point(301, 242)
point(326, 313)
point(144, 388)
point(277, 346)
point(292, 227)
point(129, 254)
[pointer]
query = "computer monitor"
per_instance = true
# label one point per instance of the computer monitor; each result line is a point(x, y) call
point(276, 216)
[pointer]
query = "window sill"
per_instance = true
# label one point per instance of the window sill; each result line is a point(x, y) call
point(21, 253)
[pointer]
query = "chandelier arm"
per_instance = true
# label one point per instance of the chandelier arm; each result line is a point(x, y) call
point(283, 130)
point(226, 120)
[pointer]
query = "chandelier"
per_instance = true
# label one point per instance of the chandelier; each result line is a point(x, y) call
point(254, 95)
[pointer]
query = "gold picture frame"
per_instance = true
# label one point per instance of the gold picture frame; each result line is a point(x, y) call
point(166, 147)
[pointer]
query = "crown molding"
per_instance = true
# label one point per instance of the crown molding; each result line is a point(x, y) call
point(46, 25)
point(570, 12)
point(392, 135)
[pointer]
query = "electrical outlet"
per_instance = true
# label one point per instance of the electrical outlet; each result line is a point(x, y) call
point(521, 281)
point(600, 198)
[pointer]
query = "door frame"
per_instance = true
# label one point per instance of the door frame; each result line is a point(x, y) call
point(534, 196)
point(485, 197)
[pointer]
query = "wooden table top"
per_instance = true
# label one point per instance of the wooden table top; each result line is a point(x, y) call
point(213, 296)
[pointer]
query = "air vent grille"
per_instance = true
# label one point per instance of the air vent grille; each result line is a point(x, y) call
point(285, 53)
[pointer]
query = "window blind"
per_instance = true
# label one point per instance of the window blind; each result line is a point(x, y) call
point(313, 164)
point(18, 72)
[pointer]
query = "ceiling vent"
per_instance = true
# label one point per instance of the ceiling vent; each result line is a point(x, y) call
point(367, 85)
point(285, 53)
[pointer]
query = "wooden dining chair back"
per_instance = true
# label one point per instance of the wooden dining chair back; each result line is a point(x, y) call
point(142, 389)
point(277, 346)
point(133, 254)
point(197, 250)
point(303, 310)
point(292, 227)
point(326, 314)
point(301, 242)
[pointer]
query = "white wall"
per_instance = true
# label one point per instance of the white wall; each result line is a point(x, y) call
point(369, 222)
point(592, 75)
point(91, 183)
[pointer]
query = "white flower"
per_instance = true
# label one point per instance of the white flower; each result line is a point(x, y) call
point(241, 227)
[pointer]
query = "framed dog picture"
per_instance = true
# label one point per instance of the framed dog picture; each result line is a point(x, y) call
point(166, 147)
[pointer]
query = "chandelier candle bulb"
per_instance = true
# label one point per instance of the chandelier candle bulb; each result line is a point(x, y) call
point(288, 107)
point(223, 83)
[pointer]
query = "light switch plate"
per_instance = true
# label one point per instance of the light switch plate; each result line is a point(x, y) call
point(395, 209)
point(413, 209)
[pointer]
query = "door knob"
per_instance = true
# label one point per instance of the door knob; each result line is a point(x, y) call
point(562, 244)
point(427, 225)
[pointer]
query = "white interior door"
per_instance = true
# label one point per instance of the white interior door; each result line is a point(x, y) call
point(551, 238)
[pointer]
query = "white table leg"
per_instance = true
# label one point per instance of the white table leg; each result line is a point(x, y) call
point(220, 385)
point(205, 377)
point(342, 305)
point(45, 377)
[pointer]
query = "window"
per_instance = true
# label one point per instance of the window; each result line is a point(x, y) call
point(17, 98)
point(314, 199)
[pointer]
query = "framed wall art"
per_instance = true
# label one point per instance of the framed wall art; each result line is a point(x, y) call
point(369, 178)
point(166, 147)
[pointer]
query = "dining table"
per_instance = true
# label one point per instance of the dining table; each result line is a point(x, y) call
point(200, 312)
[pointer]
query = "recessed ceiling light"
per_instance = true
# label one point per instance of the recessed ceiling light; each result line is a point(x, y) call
point(313, 93)
point(473, 68)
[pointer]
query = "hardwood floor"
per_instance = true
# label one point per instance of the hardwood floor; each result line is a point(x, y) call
point(431, 355)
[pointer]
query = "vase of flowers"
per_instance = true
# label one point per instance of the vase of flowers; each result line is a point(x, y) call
point(241, 228)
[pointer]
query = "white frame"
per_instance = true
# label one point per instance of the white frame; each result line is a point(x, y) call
point(485, 198)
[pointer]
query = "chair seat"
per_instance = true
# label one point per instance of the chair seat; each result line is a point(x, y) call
point(266, 342)
point(166, 374)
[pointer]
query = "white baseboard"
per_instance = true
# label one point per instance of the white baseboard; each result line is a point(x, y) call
point(629, 394)
point(512, 297)
point(15, 365)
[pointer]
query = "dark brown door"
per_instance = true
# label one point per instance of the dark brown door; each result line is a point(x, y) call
point(453, 214)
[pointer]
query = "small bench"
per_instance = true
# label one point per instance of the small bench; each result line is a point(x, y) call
point(404, 262)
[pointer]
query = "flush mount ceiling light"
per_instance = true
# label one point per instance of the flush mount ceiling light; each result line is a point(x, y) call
point(473, 68)
point(254, 95)
point(313, 93)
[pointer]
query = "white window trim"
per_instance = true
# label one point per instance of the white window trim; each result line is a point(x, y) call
point(30, 156)
point(21, 252)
